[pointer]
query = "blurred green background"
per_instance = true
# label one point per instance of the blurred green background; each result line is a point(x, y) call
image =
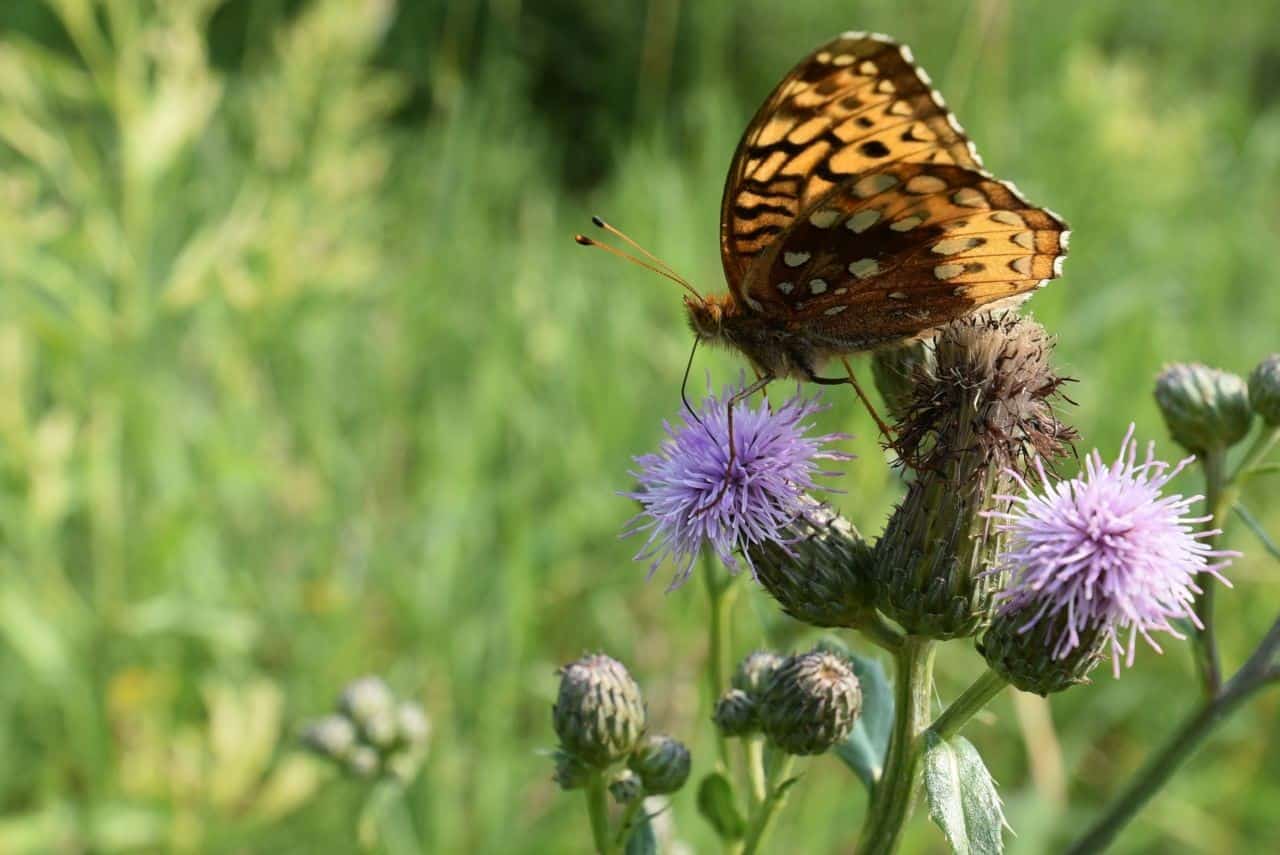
point(302, 377)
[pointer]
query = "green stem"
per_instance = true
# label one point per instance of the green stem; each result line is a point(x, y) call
point(1258, 450)
point(963, 708)
point(892, 801)
point(753, 750)
point(1217, 490)
point(720, 596)
point(628, 817)
point(762, 819)
point(1257, 673)
point(879, 631)
point(598, 812)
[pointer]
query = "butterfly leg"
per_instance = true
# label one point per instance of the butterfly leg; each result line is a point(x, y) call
point(762, 381)
point(852, 380)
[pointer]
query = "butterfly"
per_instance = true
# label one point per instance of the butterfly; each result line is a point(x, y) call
point(856, 215)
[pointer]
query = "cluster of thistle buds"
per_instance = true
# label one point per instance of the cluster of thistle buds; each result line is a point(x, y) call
point(803, 704)
point(599, 716)
point(372, 733)
point(1208, 410)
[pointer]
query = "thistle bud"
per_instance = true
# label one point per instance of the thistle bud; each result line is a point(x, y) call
point(662, 763)
point(368, 702)
point(754, 672)
point(570, 772)
point(599, 712)
point(333, 736)
point(819, 571)
point(1026, 659)
point(811, 703)
point(626, 787)
point(982, 409)
point(1206, 410)
point(1264, 390)
point(895, 370)
point(363, 761)
point(412, 726)
point(735, 714)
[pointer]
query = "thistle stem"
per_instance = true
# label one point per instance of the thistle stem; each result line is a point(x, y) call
point(753, 752)
point(598, 812)
point(1217, 492)
point(879, 631)
point(762, 819)
point(963, 708)
point(628, 817)
point(720, 596)
point(1255, 674)
point(892, 801)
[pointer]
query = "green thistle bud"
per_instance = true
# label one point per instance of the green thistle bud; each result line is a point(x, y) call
point(333, 736)
point(811, 703)
point(570, 773)
point(1264, 390)
point(599, 712)
point(895, 370)
point(1026, 659)
point(754, 672)
point(662, 763)
point(821, 575)
point(412, 726)
point(735, 714)
point(1206, 410)
point(368, 702)
point(984, 407)
point(626, 787)
point(363, 761)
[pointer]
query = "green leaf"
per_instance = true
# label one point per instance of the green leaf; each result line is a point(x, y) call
point(642, 840)
point(717, 804)
point(962, 796)
point(1256, 527)
point(1261, 469)
point(864, 749)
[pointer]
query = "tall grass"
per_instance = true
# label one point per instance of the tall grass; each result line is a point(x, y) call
point(291, 390)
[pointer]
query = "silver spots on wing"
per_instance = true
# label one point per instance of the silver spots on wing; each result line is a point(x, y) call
point(907, 224)
point(817, 286)
point(925, 184)
point(864, 267)
point(951, 246)
point(862, 221)
point(824, 218)
point(795, 259)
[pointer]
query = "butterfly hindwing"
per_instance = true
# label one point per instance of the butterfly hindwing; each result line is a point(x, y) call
point(854, 106)
point(902, 250)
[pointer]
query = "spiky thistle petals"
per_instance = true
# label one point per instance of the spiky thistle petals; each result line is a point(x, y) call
point(686, 503)
point(1106, 552)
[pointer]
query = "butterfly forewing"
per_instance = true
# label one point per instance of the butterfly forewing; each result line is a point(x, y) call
point(902, 250)
point(855, 105)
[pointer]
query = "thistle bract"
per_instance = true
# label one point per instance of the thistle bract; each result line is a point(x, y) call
point(662, 763)
point(811, 703)
point(735, 714)
point(755, 671)
point(1264, 389)
point(1205, 409)
point(599, 712)
point(692, 497)
point(1105, 552)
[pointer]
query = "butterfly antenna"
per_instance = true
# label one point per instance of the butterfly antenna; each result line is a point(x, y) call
point(654, 264)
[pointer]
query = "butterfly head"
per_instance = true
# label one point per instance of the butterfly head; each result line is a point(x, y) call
point(707, 316)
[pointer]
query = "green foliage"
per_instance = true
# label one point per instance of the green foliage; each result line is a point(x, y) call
point(962, 796)
point(303, 378)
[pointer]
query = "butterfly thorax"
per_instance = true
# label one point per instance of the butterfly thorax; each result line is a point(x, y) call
point(772, 349)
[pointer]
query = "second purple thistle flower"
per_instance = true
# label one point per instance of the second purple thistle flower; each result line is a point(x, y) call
point(684, 507)
point(1107, 552)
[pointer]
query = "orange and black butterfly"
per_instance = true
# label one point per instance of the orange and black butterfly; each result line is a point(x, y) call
point(857, 214)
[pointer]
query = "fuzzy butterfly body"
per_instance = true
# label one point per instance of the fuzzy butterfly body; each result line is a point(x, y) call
point(857, 214)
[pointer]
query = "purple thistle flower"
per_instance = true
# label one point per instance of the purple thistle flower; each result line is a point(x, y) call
point(774, 467)
point(1106, 551)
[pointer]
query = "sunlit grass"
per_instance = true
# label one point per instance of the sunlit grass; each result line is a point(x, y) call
point(292, 393)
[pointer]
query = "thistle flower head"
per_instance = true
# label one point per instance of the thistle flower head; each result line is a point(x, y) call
point(735, 714)
point(686, 501)
point(1264, 389)
point(755, 671)
point(811, 703)
point(663, 764)
point(1106, 553)
point(1205, 409)
point(599, 712)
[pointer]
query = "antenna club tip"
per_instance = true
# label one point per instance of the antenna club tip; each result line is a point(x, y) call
point(583, 240)
point(597, 222)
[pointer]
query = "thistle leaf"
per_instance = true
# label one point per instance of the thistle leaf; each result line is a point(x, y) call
point(962, 796)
